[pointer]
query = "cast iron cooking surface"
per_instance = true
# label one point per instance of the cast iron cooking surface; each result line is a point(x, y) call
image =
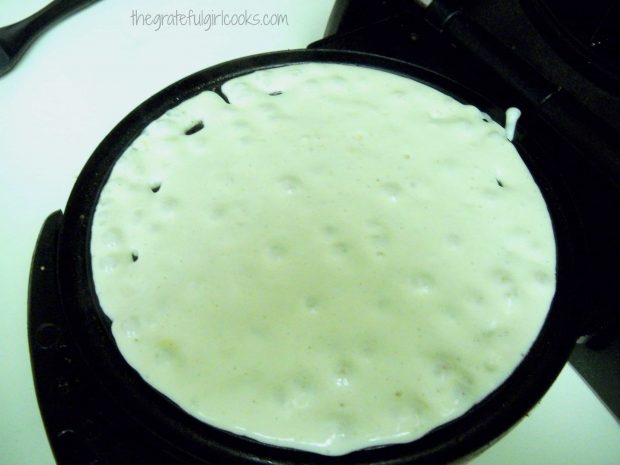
point(106, 402)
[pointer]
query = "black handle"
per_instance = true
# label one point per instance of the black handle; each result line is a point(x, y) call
point(573, 121)
point(16, 38)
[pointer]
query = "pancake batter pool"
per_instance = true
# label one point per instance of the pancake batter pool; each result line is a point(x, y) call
point(338, 258)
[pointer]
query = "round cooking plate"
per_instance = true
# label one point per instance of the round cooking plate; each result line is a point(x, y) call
point(178, 434)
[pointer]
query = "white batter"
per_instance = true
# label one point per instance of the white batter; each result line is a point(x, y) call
point(351, 261)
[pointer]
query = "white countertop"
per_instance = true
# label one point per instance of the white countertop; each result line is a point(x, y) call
point(78, 80)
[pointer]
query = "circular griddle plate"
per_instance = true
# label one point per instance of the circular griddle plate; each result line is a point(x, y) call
point(95, 406)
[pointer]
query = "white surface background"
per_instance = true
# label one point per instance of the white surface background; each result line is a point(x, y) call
point(71, 88)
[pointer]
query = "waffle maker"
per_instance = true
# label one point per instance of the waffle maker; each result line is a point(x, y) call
point(494, 54)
